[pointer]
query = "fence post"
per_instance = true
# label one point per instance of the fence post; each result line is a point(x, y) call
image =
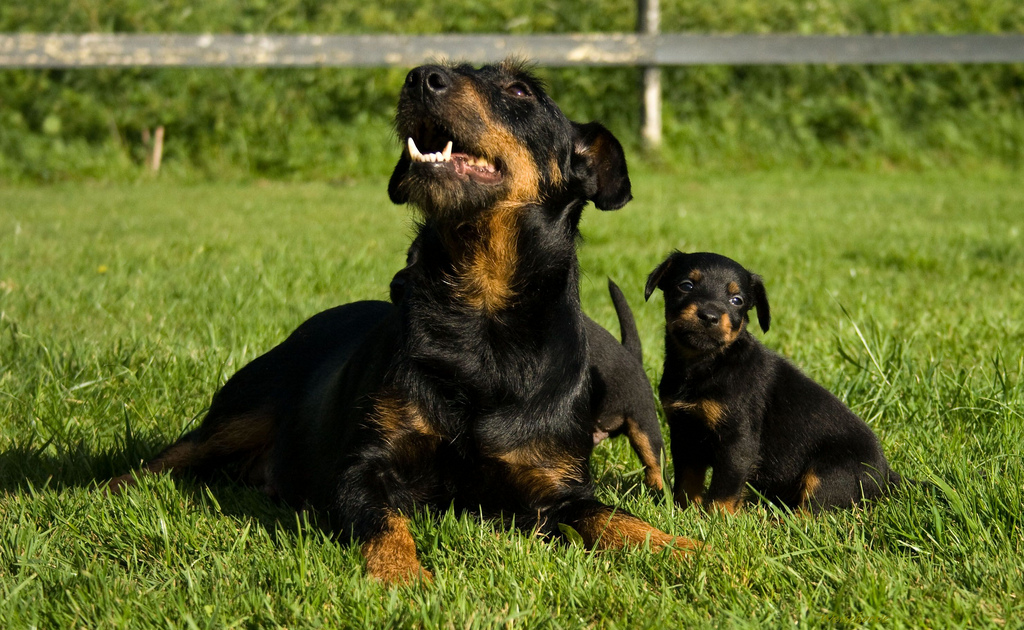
point(648, 19)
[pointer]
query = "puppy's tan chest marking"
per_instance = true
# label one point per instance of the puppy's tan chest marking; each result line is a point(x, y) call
point(711, 412)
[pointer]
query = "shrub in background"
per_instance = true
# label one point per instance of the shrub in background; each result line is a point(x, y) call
point(335, 123)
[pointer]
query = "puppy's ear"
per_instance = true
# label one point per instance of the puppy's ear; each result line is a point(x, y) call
point(764, 315)
point(600, 165)
point(395, 192)
point(654, 280)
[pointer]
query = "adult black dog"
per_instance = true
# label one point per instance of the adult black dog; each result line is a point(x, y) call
point(621, 402)
point(474, 390)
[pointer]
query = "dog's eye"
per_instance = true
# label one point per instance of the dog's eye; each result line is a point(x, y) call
point(736, 300)
point(519, 90)
point(686, 286)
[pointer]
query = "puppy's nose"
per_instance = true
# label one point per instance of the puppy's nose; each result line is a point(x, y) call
point(428, 80)
point(709, 317)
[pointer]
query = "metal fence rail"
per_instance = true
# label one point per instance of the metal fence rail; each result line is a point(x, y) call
point(647, 48)
point(604, 49)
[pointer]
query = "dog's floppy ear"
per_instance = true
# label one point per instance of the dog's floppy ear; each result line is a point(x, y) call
point(764, 315)
point(600, 164)
point(395, 192)
point(654, 280)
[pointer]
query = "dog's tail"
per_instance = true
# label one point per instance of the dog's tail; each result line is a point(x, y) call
point(627, 325)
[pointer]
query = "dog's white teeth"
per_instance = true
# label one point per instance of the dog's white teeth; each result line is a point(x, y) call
point(414, 152)
point(482, 163)
point(440, 156)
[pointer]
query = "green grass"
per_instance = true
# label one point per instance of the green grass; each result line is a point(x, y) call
point(123, 307)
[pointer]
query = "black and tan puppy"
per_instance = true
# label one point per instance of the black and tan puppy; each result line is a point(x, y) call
point(474, 390)
point(745, 412)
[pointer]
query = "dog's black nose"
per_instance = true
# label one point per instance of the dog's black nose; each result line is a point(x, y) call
point(429, 80)
point(708, 317)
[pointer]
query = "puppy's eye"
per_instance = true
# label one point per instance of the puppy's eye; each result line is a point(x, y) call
point(686, 286)
point(519, 90)
point(736, 300)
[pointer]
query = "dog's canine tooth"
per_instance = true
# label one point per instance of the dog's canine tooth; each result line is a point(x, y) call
point(414, 152)
point(447, 153)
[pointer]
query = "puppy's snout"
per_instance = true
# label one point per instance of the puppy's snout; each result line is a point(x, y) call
point(708, 316)
point(428, 80)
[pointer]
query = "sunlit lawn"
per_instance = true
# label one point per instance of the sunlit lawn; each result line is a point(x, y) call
point(123, 307)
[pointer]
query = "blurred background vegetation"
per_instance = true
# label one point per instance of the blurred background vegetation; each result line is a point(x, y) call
point(335, 123)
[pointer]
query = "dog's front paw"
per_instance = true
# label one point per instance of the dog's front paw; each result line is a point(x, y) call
point(391, 554)
point(396, 573)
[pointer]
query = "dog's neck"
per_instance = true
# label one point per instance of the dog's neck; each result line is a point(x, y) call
point(505, 258)
point(485, 256)
point(532, 349)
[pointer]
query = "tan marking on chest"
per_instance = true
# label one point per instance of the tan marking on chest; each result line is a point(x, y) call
point(710, 411)
point(486, 271)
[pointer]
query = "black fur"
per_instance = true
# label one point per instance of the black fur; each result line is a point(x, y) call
point(621, 401)
point(745, 412)
point(474, 389)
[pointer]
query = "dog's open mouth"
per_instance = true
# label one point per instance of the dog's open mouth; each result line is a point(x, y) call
point(433, 147)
